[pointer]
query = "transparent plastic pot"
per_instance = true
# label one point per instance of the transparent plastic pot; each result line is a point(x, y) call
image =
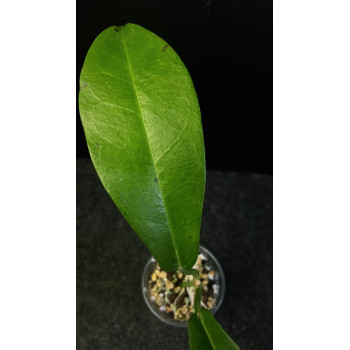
point(219, 280)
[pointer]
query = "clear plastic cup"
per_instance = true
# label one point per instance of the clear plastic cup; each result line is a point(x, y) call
point(219, 279)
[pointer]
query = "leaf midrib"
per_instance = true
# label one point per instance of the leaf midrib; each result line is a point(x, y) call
point(149, 146)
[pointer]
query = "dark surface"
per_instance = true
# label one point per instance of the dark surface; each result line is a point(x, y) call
point(236, 228)
point(227, 48)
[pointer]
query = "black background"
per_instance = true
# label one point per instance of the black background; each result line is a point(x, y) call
point(227, 48)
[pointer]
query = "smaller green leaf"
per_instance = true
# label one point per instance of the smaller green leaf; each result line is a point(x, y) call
point(188, 284)
point(197, 300)
point(205, 333)
point(193, 272)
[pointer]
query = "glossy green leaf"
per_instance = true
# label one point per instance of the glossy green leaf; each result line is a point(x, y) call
point(205, 333)
point(143, 128)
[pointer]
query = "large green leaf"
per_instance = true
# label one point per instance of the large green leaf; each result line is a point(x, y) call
point(143, 128)
point(205, 333)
